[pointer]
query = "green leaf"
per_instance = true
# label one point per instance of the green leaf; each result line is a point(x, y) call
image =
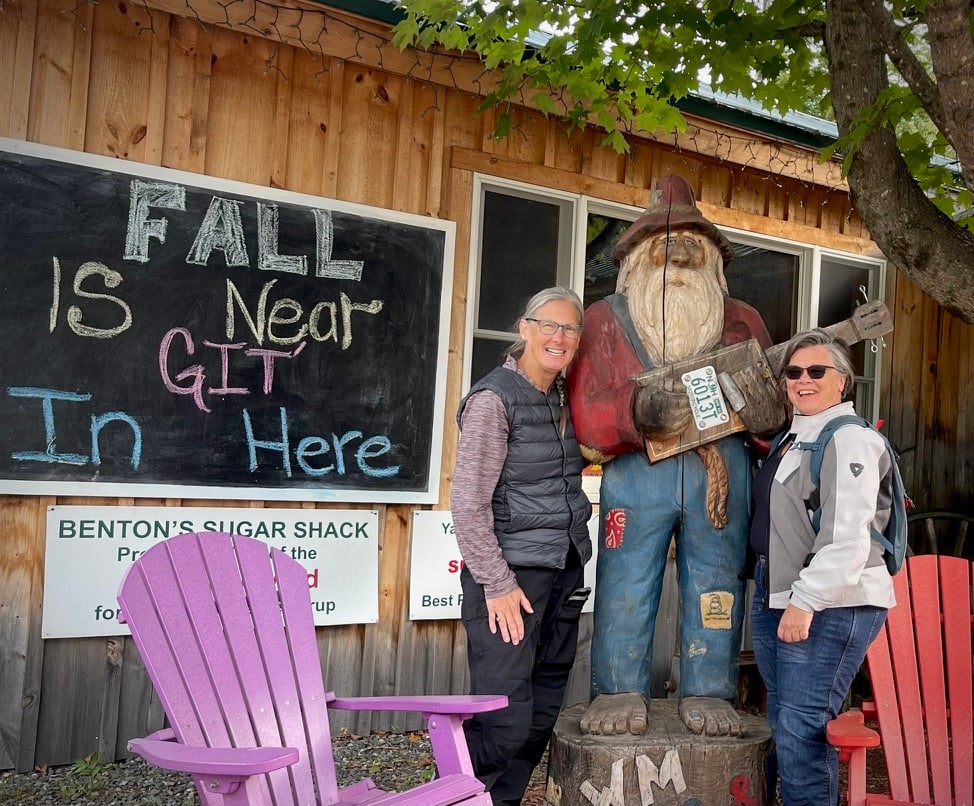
point(503, 127)
point(544, 102)
point(405, 33)
point(628, 62)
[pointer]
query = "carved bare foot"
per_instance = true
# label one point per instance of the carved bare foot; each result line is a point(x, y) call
point(615, 714)
point(712, 716)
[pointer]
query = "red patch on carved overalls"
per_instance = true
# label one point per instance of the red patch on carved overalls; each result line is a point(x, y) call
point(615, 528)
point(740, 790)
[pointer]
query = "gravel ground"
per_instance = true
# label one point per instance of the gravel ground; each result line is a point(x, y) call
point(395, 761)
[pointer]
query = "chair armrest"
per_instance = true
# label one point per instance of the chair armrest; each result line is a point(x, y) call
point(850, 736)
point(426, 704)
point(847, 731)
point(162, 749)
point(444, 717)
point(869, 710)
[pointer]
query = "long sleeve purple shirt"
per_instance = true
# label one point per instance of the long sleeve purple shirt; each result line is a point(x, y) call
point(480, 460)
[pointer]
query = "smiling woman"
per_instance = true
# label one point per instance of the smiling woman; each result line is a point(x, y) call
point(818, 375)
point(821, 589)
point(521, 520)
point(550, 344)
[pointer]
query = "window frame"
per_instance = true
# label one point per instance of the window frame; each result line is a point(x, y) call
point(571, 263)
point(566, 273)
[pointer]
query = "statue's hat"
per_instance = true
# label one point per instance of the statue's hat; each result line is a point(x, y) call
point(671, 207)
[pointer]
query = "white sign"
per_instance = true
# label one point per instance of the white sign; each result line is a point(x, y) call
point(90, 548)
point(435, 564)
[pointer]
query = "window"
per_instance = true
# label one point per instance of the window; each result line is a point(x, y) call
point(796, 287)
point(522, 243)
point(527, 238)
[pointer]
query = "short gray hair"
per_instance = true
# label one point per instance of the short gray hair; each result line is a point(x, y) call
point(537, 302)
point(838, 349)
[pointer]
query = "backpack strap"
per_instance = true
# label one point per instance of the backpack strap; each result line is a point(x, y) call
point(817, 447)
point(777, 441)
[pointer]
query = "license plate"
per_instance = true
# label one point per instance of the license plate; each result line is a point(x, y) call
point(706, 400)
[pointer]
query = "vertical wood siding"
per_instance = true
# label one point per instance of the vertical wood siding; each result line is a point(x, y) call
point(350, 122)
point(928, 404)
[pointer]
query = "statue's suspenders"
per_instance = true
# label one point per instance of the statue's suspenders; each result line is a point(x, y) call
point(620, 307)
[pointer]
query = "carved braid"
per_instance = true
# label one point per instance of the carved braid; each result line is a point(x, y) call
point(717, 483)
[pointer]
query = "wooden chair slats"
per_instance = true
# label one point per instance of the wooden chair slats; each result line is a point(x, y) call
point(958, 617)
point(225, 629)
point(898, 702)
point(921, 671)
point(925, 590)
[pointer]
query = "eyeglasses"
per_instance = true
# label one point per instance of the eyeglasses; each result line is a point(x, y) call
point(549, 327)
point(816, 371)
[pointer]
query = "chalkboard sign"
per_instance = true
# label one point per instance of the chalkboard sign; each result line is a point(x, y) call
point(170, 334)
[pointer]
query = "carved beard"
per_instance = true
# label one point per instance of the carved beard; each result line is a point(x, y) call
point(693, 320)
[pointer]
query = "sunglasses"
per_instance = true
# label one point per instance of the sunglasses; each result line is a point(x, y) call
point(816, 371)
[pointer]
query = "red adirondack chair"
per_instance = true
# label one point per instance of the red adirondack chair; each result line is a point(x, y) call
point(226, 633)
point(920, 667)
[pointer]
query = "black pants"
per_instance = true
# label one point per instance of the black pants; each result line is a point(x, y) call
point(506, 745)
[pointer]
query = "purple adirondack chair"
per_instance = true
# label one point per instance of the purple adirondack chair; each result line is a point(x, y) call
point(226, 633)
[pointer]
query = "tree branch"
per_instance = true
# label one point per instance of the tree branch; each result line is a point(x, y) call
point(952, 52)
point(921, 241)
point(905, 60)
point(811, 30)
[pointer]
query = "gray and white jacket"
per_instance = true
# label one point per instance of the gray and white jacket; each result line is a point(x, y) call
point(845, 566)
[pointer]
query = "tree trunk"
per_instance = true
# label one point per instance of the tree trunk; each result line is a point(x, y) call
point(952, 52)
point(922, 242)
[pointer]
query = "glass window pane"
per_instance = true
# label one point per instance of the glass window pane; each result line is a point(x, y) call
point(519, 255)
point(839, 296)
point(863, 394)
point(768, 281)
point(487, 354)
point(600, 272)
point(840, 293)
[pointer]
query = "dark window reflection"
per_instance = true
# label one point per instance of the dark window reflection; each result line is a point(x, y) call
point(487, 354)
point(768, 281)
point(839, 296)
point(519, 256)
point(600, 271)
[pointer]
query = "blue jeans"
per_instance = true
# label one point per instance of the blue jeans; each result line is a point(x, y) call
point(642, 506)
point(807, 682)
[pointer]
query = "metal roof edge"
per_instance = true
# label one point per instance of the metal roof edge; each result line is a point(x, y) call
point(733, 110)
point(795, 127)
point(378, 10)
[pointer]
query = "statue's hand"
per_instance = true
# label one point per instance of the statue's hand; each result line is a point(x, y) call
point(660, 413)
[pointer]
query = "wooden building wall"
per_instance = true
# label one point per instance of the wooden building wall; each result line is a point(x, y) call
point(334, 110)
point(928, 402)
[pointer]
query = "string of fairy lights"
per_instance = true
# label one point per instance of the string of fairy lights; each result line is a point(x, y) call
point(324, 34)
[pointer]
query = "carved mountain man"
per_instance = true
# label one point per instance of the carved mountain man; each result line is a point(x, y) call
point(670, 304)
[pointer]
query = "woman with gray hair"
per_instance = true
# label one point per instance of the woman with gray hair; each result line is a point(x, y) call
point(821, 595)
point(521, 521)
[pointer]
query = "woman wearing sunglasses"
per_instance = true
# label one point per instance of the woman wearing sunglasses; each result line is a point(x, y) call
point(820, 597)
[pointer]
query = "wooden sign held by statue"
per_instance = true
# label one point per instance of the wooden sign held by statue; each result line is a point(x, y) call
point(736, 388)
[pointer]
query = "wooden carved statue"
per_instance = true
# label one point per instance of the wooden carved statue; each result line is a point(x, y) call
point(670, 371)
point(674, 459)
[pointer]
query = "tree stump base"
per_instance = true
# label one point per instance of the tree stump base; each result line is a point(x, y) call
point(668, 766)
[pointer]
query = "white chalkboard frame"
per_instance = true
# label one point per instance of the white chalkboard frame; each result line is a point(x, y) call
point(429, 494)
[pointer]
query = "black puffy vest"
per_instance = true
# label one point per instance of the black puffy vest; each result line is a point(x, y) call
point(538, 504)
